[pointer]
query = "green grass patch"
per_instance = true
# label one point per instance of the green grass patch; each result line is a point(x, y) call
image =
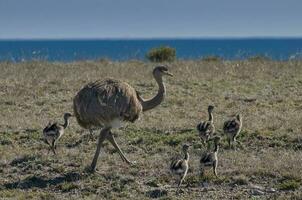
point(289, 185)
point(156, 138)
point(67, 186)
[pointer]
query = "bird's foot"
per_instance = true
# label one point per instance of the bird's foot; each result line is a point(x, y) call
point(89, 170)
point(179, 191)
point(87, 138)
point(131, 163)
point(91, 138)
point(240, 145)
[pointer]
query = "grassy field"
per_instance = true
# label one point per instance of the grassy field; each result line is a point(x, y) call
point(267, 165)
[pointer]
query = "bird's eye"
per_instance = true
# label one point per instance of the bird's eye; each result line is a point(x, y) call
point(164, 69)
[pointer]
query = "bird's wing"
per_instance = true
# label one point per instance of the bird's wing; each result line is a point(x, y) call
point(205, 127)
point(53, 127)
point(205, 158)
point(202, 126)
point(176, 164)
point(51, 133)
point(231, 125)
point(199, 126)
point(52, 130)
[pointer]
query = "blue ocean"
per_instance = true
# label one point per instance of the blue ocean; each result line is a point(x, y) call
point(125, 49)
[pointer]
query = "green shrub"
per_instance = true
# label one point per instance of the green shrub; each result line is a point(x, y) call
point(161, 54)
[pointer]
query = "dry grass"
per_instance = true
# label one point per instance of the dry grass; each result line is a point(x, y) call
point(267, 93)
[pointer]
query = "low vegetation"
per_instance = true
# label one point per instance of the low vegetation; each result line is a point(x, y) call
point(162, 54)
point(265, 166)
point(211, 58)
point(259, 58)
point(289, 185)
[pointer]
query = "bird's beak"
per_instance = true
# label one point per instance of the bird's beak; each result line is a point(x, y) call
point(169, 74)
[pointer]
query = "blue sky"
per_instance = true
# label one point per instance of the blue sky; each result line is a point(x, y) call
point(149, 18)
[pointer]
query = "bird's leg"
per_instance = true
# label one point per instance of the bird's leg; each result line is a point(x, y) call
point(45, 140)
point(201, 171)
point(229, 141)
point(102, 137)
point(180, 182)
point(90, 134)
point(215, 168)
point(49, 147)
point(234, 142)
point(53, 146)
point(113, 142)
point(54, 151)
point(240, 144)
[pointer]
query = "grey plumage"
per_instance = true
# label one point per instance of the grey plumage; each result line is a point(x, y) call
point(54, 131)
point(206, 129)
point(100, 102)
point(209, 159)
point(106, 104)
point(232, 128)
point(180, 166)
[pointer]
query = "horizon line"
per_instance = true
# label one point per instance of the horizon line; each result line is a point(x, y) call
point(154, 38)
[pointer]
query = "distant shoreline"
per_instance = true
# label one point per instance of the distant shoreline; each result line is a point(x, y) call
point(69, 50)
point(156, 38)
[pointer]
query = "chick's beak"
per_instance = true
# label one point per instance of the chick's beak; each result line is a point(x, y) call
point(169, 74)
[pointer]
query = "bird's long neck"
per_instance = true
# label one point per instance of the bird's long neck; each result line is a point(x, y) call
point(66, 122)
point(187, 156)
point(216, 148)
point(210, 116)
point(239, 119)
point(158, 98)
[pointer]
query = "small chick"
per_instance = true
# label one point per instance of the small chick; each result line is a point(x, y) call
point(206, 129)
point(232, 129)
point(54, 131)
point(210, 159)
point(180, 167)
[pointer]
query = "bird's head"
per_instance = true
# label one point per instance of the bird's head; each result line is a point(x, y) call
point(210, 108)
point(185, 147)
point(161, 70)
point(239, 117)
point(67, 115)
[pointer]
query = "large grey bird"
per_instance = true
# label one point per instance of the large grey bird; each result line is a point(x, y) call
point(54, 131)
point(106, 104)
